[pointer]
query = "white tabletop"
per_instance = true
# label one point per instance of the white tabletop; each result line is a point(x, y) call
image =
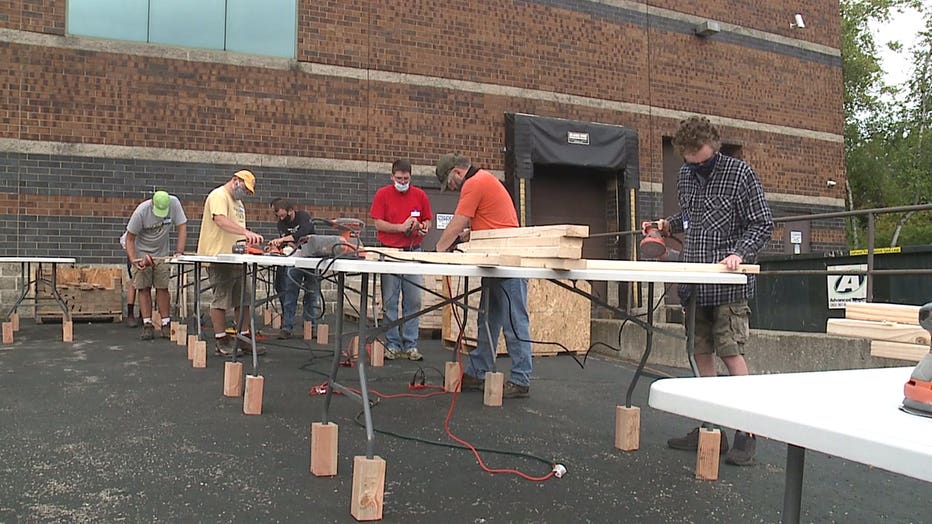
point(422, 268)
point(851, 414)
point(36, 260)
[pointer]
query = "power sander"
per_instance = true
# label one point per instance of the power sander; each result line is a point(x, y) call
point(918, 389)
point(653, 246)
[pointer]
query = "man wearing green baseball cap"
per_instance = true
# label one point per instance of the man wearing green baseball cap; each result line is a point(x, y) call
point(147, 246)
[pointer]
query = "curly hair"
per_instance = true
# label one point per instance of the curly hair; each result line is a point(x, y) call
point(695, 132)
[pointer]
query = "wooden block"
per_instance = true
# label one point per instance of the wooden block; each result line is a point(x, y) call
point(308, 331)
point(192, 345)
point(232, 379)
point(14, 318)
point(494, 384)
point(252, 399)
point(560, 230)
point(174, 331)
point(878, 330)
point(900, 313)
point(368, 488)
point(200, 354)
point(376, 354)
point(898, 351)
point(67, 331)
point(7, 332)
point(267, 316)
point(323, 333)
point(627, 428)
point(276, 321)
point(354, 348)
point(182, 336)
point(708, 454)
point(324, 445)
point(156, 318)
point(453, 374)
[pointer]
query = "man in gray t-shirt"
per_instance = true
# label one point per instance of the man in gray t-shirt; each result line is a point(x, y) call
point(147, 245)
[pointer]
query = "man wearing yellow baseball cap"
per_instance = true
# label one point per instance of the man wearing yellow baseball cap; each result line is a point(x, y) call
point(223, 225)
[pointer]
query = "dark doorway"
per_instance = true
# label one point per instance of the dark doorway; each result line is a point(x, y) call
point(443, 204)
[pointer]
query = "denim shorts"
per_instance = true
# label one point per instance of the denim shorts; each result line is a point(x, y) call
point(722, 329)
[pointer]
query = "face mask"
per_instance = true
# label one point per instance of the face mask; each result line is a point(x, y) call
point(705, 168)
point(239, 192)
point(402, 187)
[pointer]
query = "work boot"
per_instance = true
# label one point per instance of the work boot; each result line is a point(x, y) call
point(471, 383)
point(512, 390)
point(148, 332)
point(414, 354)
point(284, 334)
point(690, 442)
point(742, 454)
point(131, 321)
point(224, 346)
point(167, 331)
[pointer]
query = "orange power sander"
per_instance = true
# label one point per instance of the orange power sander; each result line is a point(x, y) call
point(653, 246)
point(918, 389)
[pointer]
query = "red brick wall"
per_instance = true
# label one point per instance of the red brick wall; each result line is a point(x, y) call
point(39, 16)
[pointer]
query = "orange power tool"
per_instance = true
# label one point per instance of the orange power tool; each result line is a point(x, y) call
point(918, 389)
point(652, 246)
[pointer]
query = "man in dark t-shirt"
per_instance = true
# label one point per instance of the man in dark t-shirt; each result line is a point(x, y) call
point(293, 225)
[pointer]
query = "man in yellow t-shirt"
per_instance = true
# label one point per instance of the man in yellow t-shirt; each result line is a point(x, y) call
point(224, 224)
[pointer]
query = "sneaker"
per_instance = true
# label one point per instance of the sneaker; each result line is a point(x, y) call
point(224, 346)
point(742, 454)
point(167, 331)
point(284, 334)
point(131, 321)
point(414, 354)
point(512, 390)
point(393, 354)
point(690, 442)
point(148, 332)
point(471, 383)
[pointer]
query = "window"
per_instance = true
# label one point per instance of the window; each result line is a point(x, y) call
point(263, 27)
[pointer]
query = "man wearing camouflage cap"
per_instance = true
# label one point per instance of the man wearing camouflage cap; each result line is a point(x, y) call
point(484, 204)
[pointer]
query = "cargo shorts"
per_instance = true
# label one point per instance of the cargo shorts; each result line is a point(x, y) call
point(227, 283)
point(157, 276)
point(722, 329)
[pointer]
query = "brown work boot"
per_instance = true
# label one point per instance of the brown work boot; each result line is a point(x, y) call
point(131, 321)
point(148, 332)
point(471, 383)
point(224, 346)
point(742, 454)
point(167, 331)
point(512, 390)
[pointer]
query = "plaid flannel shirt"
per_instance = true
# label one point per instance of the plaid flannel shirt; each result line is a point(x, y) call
point(725, 214)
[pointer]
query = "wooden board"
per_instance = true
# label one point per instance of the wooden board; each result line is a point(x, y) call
point(88, 292)
point(896, 350)
point(556, 315)
point(889, 331)
point(563, 230)
point(900, 313)
point(474, 259)
point(551, 251)
point(637, 265)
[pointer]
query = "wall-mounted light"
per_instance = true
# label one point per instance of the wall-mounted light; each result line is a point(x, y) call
point(707, 28)
point(831, 183)
point(799, 23)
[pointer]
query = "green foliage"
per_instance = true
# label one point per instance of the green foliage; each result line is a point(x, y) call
point(887, 143)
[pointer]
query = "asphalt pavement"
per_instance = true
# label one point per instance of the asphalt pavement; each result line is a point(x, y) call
point(114, 429)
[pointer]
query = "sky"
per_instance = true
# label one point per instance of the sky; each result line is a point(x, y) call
point(903, 27)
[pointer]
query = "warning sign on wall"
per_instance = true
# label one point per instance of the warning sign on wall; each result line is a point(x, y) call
point(846, 288)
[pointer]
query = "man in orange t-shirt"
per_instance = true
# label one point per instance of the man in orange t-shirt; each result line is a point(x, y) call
point(485, 204)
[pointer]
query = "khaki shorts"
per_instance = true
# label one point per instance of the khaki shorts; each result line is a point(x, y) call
point(722, 330)
point(227, 283)
point(157, 276)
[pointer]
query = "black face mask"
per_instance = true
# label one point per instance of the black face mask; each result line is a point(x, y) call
point(704, 169)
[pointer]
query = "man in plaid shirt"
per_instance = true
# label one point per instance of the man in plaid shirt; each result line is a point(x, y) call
point(725, 218)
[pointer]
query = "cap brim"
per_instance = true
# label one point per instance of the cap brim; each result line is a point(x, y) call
point(161, 213)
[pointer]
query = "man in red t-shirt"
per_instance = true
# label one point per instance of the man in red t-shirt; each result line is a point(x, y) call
point(485, 204)
point(402, 216)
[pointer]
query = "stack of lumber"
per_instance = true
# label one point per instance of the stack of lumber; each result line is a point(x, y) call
point(893, 329)
point(555, 247)
point(88, 292)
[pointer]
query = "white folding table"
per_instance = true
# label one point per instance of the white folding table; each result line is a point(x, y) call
point(25, 264)
point(851, 414)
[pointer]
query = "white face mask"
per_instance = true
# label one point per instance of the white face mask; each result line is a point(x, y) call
point(402, 187)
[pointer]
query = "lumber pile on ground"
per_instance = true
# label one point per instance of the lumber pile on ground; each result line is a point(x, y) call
point(88, 292)
point(893, 329)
